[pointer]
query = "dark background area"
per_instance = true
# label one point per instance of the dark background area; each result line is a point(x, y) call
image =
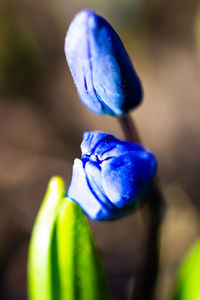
point(42, 121)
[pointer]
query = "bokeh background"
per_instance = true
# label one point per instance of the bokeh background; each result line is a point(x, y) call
point(42, 121)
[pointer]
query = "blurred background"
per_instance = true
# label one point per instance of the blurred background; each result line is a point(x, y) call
point(42, 121)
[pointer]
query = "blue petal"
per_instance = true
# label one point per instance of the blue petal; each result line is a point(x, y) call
point(114, 78)
point(94, 177)
point(114, 148)
point(80, 193)
point(101, 68)
point(112, 177)
point(92, 139)
point(105, 145)
point(126, 178)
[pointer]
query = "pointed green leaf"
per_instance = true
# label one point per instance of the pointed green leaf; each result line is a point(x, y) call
point(81, 272)
point(63, 261)
point(188, 279)
point(40, 250)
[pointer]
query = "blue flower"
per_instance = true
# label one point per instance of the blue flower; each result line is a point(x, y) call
point(112, 176)
point(101, 68)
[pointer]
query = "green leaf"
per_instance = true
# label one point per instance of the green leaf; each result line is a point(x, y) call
point(63, 262)
point(40, 251)
point(188, 279)
point(81, 273)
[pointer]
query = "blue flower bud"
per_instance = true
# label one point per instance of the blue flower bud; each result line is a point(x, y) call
point(112, 176)
point(101, 68)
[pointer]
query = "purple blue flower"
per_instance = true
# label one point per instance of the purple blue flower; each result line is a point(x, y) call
point(112, 176)
point(101, 68)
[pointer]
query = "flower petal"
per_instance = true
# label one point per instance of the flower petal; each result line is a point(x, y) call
point(101, 68)
point(94, 176)
point(125, 178)
point(80, 193)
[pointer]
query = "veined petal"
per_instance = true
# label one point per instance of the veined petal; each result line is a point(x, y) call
point(113, 177)
point(105, 145)
point(80, 192)
point(94, 176)
point(101, 68)
point(92, 139)
point(126, 178)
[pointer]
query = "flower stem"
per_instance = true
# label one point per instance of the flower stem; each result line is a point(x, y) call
point(129, 129)
point(145, 281)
